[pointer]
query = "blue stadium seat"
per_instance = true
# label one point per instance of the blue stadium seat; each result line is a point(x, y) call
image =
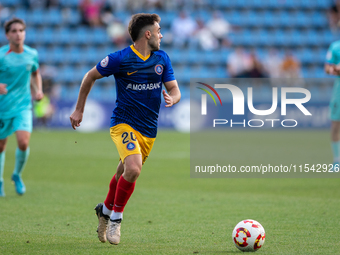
point(324, 4)
point(89, 55)
point(203, 15)
point(274, 4)
point(319, 20)
point(305, 56)
point(246, 40)
point(31, 35)
point(192, 56)
point(328, 37)
point(45, 35)
point(279, 38)
point(234, 17)
point(263, 38)
point(220, 4)
point(55, 55)
point(69, 3)
point(52, 17)
point(20, 13)
point(122, 16)
point(10, 3)
point(220, 72)
point(71, 17)
point(294, 38)
point(83, 35)
point(177, 57)
point(301, 19)
point(65, 75)
point(42, 53)
point(108, 91)
point(167, 18)
point(288, 4)
point(74, 55)
point(269, 19)
point(258, 4)
point(37, 17)
point(79, 73)
point(313, 38)
point(100, 36)
point(284, 19)
point(66, 36)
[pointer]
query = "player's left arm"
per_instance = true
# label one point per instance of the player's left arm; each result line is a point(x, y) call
point(174, 94)
point(36, 85)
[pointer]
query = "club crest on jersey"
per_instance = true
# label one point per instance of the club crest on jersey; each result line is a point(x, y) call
point(104, 62)
point(130, 146)
point(159, 69)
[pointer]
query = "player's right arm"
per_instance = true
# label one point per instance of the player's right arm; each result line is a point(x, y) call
point(89, 78)
point(3, 89)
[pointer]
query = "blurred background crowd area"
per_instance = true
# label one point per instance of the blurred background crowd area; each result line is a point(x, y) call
point(217, 38)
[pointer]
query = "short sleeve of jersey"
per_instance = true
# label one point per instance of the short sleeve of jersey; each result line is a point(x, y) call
point(109, 65)
point(168, 74)
point(331, 57)
point(35, 65)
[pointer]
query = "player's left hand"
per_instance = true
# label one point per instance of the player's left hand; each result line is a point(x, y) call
point(38, 96)
point(168, 99)
point(336, 70)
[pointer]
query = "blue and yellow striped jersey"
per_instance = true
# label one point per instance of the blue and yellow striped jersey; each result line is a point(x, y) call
point(138, 85)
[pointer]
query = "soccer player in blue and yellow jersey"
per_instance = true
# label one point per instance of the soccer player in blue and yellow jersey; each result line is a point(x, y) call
point(19, 81)
point(332, 67)
point(139, 71)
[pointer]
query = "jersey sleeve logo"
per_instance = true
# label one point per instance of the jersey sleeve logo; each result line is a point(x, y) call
point(104, 62)
point(159, 69)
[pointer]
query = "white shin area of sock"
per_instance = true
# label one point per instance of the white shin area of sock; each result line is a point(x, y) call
point(106, 211)
point(116, 215)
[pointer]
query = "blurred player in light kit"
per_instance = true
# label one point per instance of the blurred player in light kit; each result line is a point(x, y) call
point(20, 80)
point(332, 66)
point(139, 71)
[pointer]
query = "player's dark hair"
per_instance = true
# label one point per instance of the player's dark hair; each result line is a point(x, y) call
point(139, 21)
point(9, 23)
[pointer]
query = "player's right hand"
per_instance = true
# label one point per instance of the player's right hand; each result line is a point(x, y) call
point(3, 90)
point(75, 118)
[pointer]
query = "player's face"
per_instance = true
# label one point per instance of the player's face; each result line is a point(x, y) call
point(16, 34)
point(156, 36)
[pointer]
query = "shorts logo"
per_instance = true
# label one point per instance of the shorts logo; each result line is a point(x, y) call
point(104, 62)
point(130, 146)
point(159, 69)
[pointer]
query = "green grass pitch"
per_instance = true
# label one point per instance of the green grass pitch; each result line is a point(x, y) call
point(68, 173)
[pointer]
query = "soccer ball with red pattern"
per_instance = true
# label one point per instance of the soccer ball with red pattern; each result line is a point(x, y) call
point(249, 235)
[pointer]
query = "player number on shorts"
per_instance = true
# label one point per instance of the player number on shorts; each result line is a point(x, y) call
point(126, 137)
